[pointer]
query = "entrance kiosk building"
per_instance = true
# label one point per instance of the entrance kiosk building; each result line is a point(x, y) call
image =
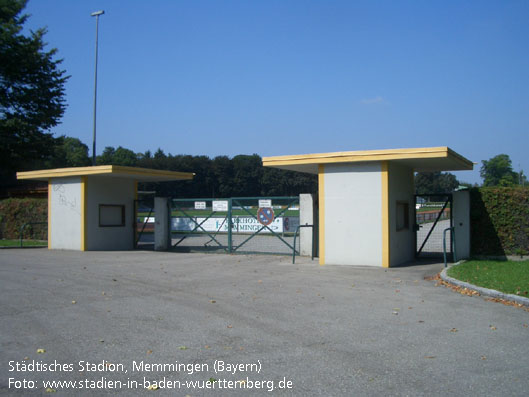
point(92, 208)
point(366, 200)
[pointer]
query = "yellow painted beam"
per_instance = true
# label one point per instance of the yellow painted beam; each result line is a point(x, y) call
point(441, 152)
point(135, 214)
point(107, 170)
point(83, 213)
point(321, 212)
point(49, 212)
point(385, 214)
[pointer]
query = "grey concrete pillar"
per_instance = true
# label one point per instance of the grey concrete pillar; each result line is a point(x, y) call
point(306, 217)
point(461, 219)
point(162, 233)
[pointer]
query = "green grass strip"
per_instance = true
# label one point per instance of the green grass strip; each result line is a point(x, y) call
point(506, 276)
point(25, 243)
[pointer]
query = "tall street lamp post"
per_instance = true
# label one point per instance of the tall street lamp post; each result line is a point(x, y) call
point(95, 14)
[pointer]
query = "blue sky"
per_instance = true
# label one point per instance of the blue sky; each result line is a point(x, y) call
point(292, 77)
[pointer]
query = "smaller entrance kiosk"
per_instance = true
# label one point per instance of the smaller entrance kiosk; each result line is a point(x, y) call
point(92, 208)
point(366, 200)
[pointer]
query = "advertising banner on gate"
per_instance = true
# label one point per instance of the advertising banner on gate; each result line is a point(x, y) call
point(239, 224)
point(290, 223)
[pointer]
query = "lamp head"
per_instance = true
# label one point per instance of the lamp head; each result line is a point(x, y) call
point(97, 13)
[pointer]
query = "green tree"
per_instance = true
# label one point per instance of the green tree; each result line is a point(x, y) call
point(107, 156)
point(247, 173)
point(242, 175)
point(125, 157)
point(276, 182)
point(145, 160)
point(69, 152)
point(222, 176)
point(119, 156)
point(435, 182)
point(31, 92)
point(160, 160)
point(498, 171)
point(522, 179)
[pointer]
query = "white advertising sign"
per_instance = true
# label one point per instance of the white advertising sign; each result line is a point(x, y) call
point(220, 205)
point(200, 205)
point(265, 203)
point(290, 223)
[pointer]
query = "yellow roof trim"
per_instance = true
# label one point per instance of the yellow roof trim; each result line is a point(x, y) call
point(369, 155)
point(108, 170)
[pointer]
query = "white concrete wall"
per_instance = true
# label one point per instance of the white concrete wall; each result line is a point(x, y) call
point(162, 236)
point(401, 189)
point(461, 219)
point(306, 217)
point(353, 216)
point(105, 190)
point(65, 222)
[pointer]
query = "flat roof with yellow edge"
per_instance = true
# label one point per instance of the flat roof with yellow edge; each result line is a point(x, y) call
point(419, 159)
point(111, 171)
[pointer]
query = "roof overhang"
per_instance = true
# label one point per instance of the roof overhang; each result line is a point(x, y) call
point(419, 159)
point(108, 171)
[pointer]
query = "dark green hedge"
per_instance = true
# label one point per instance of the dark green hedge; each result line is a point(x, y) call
point(16, 212)
point(499, 218)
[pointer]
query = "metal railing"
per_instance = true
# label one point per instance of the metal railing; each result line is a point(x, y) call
point(452, 242)
point(21, 231)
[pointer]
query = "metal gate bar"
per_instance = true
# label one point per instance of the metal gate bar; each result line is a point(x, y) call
point(215, 234)
point(293, 199)
point(197, 219)
point(197, 227)
point(447, 199)
point(137, 236)
point(432, 228)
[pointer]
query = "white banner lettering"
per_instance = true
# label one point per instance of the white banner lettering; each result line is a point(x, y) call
point(239, 225)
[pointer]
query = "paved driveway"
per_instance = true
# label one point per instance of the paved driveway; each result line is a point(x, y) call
point(330, 330)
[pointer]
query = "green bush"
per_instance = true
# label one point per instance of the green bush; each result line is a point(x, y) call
point(499, 221)
point(14, 213)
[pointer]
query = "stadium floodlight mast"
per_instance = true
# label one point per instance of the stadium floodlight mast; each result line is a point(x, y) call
point(95, 14)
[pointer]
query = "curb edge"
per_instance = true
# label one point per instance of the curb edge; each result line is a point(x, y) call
point(482, 290)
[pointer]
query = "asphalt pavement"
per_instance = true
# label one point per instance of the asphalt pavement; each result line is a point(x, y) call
point(117, 322)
